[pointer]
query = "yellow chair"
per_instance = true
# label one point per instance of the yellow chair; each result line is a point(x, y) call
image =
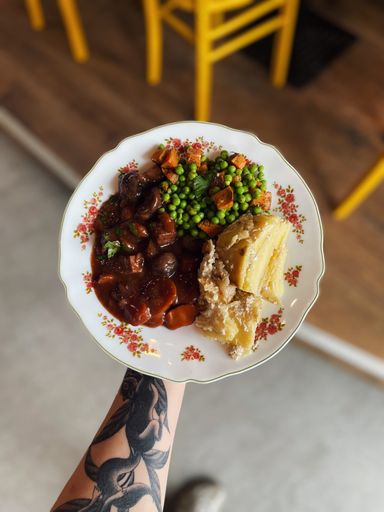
point(368, 184)
point(210, 26)
point(72, 21)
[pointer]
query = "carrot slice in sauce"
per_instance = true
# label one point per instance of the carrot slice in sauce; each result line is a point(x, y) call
point(180, 316)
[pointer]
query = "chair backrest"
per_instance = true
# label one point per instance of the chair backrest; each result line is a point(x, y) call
point(222, 5)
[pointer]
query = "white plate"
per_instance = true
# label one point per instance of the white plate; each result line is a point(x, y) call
point(185, 355)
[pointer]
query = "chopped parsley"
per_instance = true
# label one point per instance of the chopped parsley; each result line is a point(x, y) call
point(112, 248)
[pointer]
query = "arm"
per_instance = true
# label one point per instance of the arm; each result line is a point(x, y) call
point(127, 462)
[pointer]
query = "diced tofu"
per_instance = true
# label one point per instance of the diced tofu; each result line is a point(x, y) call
point(238, 160)
point(171, 159)
point(193, 156)
point(264, 201)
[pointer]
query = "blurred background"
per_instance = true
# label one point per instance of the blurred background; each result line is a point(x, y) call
point(303, 432)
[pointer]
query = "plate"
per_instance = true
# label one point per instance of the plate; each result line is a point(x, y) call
point(184, 355)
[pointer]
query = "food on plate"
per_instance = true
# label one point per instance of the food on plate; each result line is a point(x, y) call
point(190, 239)
point(253, 250)
point(227, 314)
point(245, 265)
point(149, 235)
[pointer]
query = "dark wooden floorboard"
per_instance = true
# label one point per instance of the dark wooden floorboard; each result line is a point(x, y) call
point(331, 130)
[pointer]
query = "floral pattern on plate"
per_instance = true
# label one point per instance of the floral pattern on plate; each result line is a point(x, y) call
point(198, 143)
point(132, 338)
point(87, 278)
point(292, 275)
point(270, 325)
point(288, 207)
point(85, 229)
point(192, 353)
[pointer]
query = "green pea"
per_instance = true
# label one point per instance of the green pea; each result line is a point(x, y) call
point(161, 210)
point(203, 158)
point(194, 232)
point(215, 220)
point(223, 222)
point(235, 206)
point(223, 165)
point(172, 207)
point(227, 179)
point(166, 197)
point(220, 214)
point(161, 146)
point(241, 200)
point(173, 188)
point(193, 167)
point(232, 169)
point(238, 172)
point(180, 232)
point(185, 216)
point(183, 203)
point(257, 210)
point(182, 196)
point(260, 175)
point(201, 215)
point(263, 185)
point(244, 207)
point(186, 190)
point(254, 168)
point(164, 185)
point(257, 193)
point(176, 200)
point(179, 222)
point(238, 184)
point(182, 179)
point(192, 211)
point(186, 226)
point(179, 170)
point(180, 212)
point(248, 197)
point(191, 196)
point(224, 154)
point(173, 215)
point(240, 190)
point(252, 183)
point(261, 168)
point(196, 219)
point(231, 217)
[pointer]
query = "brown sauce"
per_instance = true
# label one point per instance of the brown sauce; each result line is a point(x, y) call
point(141, 272)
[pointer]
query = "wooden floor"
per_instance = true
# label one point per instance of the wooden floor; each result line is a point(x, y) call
point(331, 131)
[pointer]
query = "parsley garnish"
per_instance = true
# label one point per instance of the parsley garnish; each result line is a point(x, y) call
point(112, 248)
point(200, 185)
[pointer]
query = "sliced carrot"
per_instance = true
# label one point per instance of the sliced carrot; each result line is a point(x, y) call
point(224, 198)
point(180, 316)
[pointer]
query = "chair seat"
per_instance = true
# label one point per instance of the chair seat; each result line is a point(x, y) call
point(189, 5)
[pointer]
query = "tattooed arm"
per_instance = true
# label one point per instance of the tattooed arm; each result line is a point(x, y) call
point(127, 462)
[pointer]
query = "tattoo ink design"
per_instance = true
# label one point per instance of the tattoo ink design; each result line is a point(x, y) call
point(143, 416)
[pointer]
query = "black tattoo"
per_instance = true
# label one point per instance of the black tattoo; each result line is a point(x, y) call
point(143, 415)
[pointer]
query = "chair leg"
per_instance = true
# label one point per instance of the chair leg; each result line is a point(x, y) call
point(154, 34)
point(35, 13)
point(202, 62)
point(371, 181)
point(282, 46)
point(75, 33)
